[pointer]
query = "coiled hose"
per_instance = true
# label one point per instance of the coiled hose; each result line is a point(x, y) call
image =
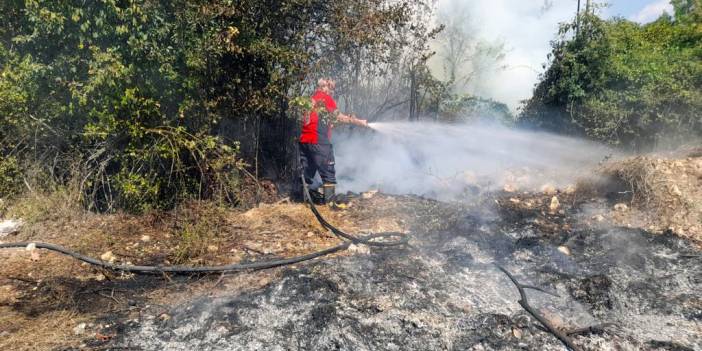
point(348, 239)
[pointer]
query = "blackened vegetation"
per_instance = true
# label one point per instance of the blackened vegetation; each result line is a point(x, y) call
point(63, 293)
point(592, 290)
point(619, 289)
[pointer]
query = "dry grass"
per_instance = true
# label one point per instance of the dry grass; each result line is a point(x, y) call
point(671, 188)
point(48, 331)
point(34, 206)
point(43, 298)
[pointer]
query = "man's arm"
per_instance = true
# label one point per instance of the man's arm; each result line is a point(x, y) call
point(350, 119)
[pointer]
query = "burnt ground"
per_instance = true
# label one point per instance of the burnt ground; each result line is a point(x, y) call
point(444, 292)
point(51, 302)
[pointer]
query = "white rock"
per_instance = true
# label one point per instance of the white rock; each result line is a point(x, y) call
point(31, 247)
point(10, 226)
point(108, 257)
point(564, 249)
point(79, 329)
point(553, 206)
point(621, 207)
point(145, 238)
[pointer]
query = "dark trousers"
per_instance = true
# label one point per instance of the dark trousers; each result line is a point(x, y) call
point(318, 158)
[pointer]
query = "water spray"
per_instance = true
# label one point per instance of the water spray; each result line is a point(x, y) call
point(440, 160)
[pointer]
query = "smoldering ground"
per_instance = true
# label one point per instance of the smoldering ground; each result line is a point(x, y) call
point(448, 161)
point(445, 294)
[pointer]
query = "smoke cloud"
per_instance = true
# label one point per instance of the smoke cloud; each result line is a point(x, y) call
point(523, 28)
point(451, 162)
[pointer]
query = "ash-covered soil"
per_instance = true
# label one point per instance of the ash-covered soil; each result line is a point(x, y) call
point(444, 292)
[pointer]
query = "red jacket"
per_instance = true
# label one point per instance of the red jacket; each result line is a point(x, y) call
point(314, 130)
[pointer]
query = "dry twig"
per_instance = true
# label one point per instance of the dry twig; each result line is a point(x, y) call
point(563, 337)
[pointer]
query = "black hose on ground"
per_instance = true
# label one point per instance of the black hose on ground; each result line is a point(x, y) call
point(369, 240)
point(176, 269)
point(139, 269)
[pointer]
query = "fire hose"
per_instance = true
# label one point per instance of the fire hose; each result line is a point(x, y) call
point(347, 240)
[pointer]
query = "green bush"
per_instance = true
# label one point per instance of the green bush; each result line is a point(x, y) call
point(160, 167)
point(473, 108)
point(146, 103)
point(10, 177)
point(624, 83)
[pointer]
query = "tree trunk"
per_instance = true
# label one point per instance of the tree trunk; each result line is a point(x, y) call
point(413, 95)
point(577, 20)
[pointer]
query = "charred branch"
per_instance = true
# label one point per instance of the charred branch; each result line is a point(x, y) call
point(563, 337)
point(593, 329)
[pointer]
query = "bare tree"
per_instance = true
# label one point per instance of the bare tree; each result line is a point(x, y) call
point(464, 56)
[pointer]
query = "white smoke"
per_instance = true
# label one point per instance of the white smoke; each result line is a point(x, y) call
point(524, 27)
point(448, 162)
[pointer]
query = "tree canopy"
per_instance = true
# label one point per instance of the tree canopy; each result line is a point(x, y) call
point(143, 103)
point(624, 83)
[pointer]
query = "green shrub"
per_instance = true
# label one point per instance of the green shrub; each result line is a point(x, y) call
point(472, 108)
point(140, 102)
point(158, 167)
point(10, 177)
point(199, 228)
point(623, 83)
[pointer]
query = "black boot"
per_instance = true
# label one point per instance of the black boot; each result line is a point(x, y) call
point(317, 197)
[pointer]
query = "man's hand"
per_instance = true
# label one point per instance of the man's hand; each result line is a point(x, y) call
point(351, 119)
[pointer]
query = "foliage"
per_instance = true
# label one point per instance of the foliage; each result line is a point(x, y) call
point(199, 229)
point(301, 106)
point(472, 108)
point(624, 83)
point(148, 103)
point(391, 75)
point(10, 177)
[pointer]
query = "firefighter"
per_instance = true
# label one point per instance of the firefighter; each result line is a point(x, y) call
point(316, 151)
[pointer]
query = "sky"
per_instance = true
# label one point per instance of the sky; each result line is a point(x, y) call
point(526, 27)
point(638, 10)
